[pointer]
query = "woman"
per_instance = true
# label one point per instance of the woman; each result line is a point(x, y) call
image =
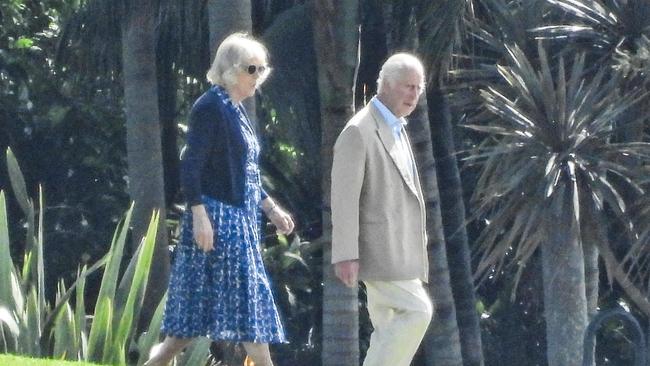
point(218, 286)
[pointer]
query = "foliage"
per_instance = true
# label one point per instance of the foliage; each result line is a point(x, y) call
point(66, 130)
point(295, 269)
point(30, 325)
point(290, 120)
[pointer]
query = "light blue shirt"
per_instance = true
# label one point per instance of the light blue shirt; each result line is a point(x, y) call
point(394, 123)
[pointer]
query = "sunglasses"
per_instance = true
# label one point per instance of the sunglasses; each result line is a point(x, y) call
point(252, 69)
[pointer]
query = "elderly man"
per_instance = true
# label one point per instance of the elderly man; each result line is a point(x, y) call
point(378, 215)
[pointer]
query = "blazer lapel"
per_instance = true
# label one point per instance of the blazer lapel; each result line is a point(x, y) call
point(388, 140)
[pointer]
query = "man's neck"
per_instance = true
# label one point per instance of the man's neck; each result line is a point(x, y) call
point(382, 101)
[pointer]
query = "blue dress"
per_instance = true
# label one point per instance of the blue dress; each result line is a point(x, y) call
point(225, 294)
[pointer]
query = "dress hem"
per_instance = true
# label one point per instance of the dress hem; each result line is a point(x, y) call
point(227, 339)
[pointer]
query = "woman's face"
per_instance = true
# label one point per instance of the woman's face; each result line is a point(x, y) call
point(247, 76)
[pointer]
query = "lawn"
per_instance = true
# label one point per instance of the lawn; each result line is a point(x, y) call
point(11, 360)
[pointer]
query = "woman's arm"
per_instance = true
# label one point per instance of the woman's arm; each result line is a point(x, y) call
point(200, 138)
point(202, 228)
point(279, 217)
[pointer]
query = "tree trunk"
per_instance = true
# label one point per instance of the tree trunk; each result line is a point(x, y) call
point(594, 235)
point(143, 140)
point(590, 235)
point(335, 42)
point(452, 207)
point(441, 343)
point(167, 88)
point(224, 18)
point(565, 303)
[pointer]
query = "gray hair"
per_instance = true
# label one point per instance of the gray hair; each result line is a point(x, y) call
point(236, 50)
point(396, 66)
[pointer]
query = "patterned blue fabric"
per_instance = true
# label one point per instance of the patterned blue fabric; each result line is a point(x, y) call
point(225, 294)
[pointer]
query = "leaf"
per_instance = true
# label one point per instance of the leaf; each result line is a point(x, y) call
point(100, 340)
point(150, 337)
point(23, 42)
point(80, 313)
point(9, 320)
point(31, 325)
point(196, 353)
point(7, 271)
point(101, 332)
point(40, 265)
point(18, 184)
point(66, 343)
point(294, 258)
point(136, 292)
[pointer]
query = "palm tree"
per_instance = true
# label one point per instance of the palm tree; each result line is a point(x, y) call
point(548, 151)
point(440, 32)
point(442, 344)
point(615, 34)
point(335, 42)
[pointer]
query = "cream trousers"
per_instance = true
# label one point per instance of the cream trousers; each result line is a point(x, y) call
point(400, 312)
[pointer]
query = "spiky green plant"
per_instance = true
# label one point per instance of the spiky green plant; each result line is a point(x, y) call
point(29, 325)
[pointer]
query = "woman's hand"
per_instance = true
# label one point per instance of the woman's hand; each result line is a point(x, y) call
point(202, 228)
point(278, 217)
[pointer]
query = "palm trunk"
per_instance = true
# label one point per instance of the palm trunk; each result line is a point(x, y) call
point(452, 207)
point(565, 303)
point(224, 18)
point(441, 343)
point(143, 140)
point(592, 272)
point(594, 235)
point(335, 42)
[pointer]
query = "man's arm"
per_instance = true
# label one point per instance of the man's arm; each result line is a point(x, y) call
point(348, 170)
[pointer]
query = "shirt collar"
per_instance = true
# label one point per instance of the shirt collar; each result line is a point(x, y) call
point(393, 122)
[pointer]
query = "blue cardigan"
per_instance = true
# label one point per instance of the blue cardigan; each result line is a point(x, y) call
point(214, 159)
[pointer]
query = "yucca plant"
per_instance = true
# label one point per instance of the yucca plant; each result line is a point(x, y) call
point(548, 156)
point(29, 325)
point(602, 27)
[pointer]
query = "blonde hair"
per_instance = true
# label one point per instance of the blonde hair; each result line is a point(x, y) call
point(396, 66)
point(236, 50)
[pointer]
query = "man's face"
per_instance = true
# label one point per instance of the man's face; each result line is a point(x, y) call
point(401, 95)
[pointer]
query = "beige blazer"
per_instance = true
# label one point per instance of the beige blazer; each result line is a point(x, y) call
point(378, 213)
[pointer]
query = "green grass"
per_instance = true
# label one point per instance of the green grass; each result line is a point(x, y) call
point(11, 360)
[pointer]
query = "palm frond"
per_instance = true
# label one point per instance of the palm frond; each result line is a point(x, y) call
point(440, 29)
point(561, 121)
point(602, 26)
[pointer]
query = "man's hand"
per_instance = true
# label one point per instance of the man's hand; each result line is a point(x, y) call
point(202, 228)
point(347, 272)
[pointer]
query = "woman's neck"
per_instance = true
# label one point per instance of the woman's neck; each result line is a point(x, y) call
point(234, 96)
